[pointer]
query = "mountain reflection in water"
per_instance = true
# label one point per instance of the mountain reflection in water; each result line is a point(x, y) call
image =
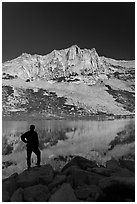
point(92, 139)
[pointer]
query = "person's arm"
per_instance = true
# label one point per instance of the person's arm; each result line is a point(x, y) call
point(23, 138)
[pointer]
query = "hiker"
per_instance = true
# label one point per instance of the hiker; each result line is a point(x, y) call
point(31, 138)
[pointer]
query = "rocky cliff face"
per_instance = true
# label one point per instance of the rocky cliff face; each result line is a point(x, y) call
point(64, 63)
point(77, 70)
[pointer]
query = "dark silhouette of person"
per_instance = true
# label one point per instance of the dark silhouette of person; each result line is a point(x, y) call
point(31, 138)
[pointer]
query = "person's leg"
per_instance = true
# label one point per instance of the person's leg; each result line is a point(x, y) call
point(37, 152)
point(29, 151)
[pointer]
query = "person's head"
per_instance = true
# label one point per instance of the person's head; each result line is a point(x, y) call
point(32, 127)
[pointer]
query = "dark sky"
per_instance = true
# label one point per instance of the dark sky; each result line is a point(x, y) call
point(42, 27)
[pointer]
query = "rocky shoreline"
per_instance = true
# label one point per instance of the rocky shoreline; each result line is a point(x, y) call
point(37, 116)
point(80, 180)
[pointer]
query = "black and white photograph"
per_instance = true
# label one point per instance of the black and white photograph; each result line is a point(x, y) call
point(68, 101)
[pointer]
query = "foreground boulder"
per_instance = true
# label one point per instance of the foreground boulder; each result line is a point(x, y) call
point(130, 165)
point(80, 162)
point(112, 164)
point(88, 192)
point(58, 180)
point(36, 175)
point(103, 171)
point(5, 196)
point(64, 194)
point(81, 177)
point(79, 180)
point(38, 193)
point(8, 187)
point(17, 195)
point(118, 189)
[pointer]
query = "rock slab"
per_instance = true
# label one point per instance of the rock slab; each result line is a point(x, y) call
point(43, 175)
point(37, 193)
point(64, 194)
point(17, 195)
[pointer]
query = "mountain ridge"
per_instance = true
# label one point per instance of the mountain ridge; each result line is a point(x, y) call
point(66, 62)
point(68, 79)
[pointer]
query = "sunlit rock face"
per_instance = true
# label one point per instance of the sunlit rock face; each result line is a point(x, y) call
point(59, 63)
point(89, 83)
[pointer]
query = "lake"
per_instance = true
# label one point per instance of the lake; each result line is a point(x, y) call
point(97, 140)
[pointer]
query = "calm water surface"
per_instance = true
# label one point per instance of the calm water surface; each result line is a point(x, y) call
point(114, 137)
point(96, 140)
